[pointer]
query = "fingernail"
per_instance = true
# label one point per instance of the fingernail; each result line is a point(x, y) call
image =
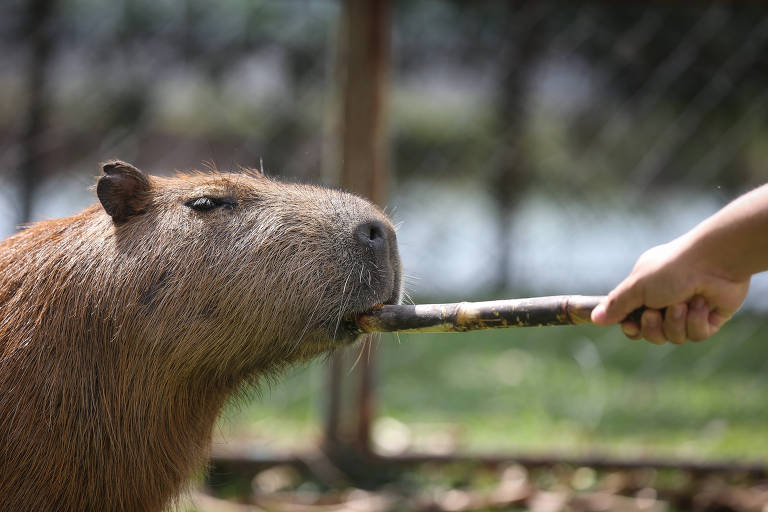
point(650, 320)
point(677, 311)
point(630, 330)
point(699, 302)
point(716, 319)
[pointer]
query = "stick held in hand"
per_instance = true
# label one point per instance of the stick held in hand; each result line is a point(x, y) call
point(471, 316)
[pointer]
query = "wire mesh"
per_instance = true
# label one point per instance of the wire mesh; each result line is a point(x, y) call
point(537, 147)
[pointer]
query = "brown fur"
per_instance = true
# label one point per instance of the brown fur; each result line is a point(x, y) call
point(123, 333)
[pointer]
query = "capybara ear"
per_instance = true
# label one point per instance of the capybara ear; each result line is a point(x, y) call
point(123, 190)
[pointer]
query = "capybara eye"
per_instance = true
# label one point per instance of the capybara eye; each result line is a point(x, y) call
point(206, 203)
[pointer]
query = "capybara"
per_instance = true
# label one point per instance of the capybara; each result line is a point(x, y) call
point(125, 327)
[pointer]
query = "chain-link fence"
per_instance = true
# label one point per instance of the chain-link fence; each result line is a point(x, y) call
point(537, 147)
point(540, 148)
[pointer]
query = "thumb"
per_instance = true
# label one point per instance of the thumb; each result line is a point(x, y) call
point(624, 299)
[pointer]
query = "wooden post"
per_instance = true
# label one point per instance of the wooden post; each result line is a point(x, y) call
point(37, 28)
point(362, 152)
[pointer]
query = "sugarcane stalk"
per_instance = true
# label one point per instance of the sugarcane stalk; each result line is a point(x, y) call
point(471, 316)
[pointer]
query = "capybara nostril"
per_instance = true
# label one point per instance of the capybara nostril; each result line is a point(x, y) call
point(373, 234)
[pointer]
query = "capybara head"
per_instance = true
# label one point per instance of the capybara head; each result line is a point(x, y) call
point(124, 328)
point(238, 271)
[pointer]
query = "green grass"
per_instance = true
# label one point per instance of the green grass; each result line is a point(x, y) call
point(567, 390)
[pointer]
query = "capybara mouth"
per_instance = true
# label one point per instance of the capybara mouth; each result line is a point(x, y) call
point(347, 331)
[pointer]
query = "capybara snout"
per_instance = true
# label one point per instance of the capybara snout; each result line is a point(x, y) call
point(124, 328)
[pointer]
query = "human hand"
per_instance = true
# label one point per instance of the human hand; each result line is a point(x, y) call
point(699, 298)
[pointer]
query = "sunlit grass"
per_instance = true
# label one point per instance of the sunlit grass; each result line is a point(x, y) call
point(570, 390)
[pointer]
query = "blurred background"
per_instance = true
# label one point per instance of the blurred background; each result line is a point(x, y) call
point(533, 148)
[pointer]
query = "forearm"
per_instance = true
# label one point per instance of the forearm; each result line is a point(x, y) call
point(734, 241)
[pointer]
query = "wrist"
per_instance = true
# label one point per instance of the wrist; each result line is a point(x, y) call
point(700, 250)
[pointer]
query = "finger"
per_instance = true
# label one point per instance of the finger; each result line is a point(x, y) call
point(716, 320)
point(697, 323)
point(631, 330)
point(624, 299)
point(674, 324)
point(650, 326)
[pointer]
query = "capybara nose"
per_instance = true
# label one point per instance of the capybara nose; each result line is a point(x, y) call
point(373, 234)
point(376, 236)
point(378, 239)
